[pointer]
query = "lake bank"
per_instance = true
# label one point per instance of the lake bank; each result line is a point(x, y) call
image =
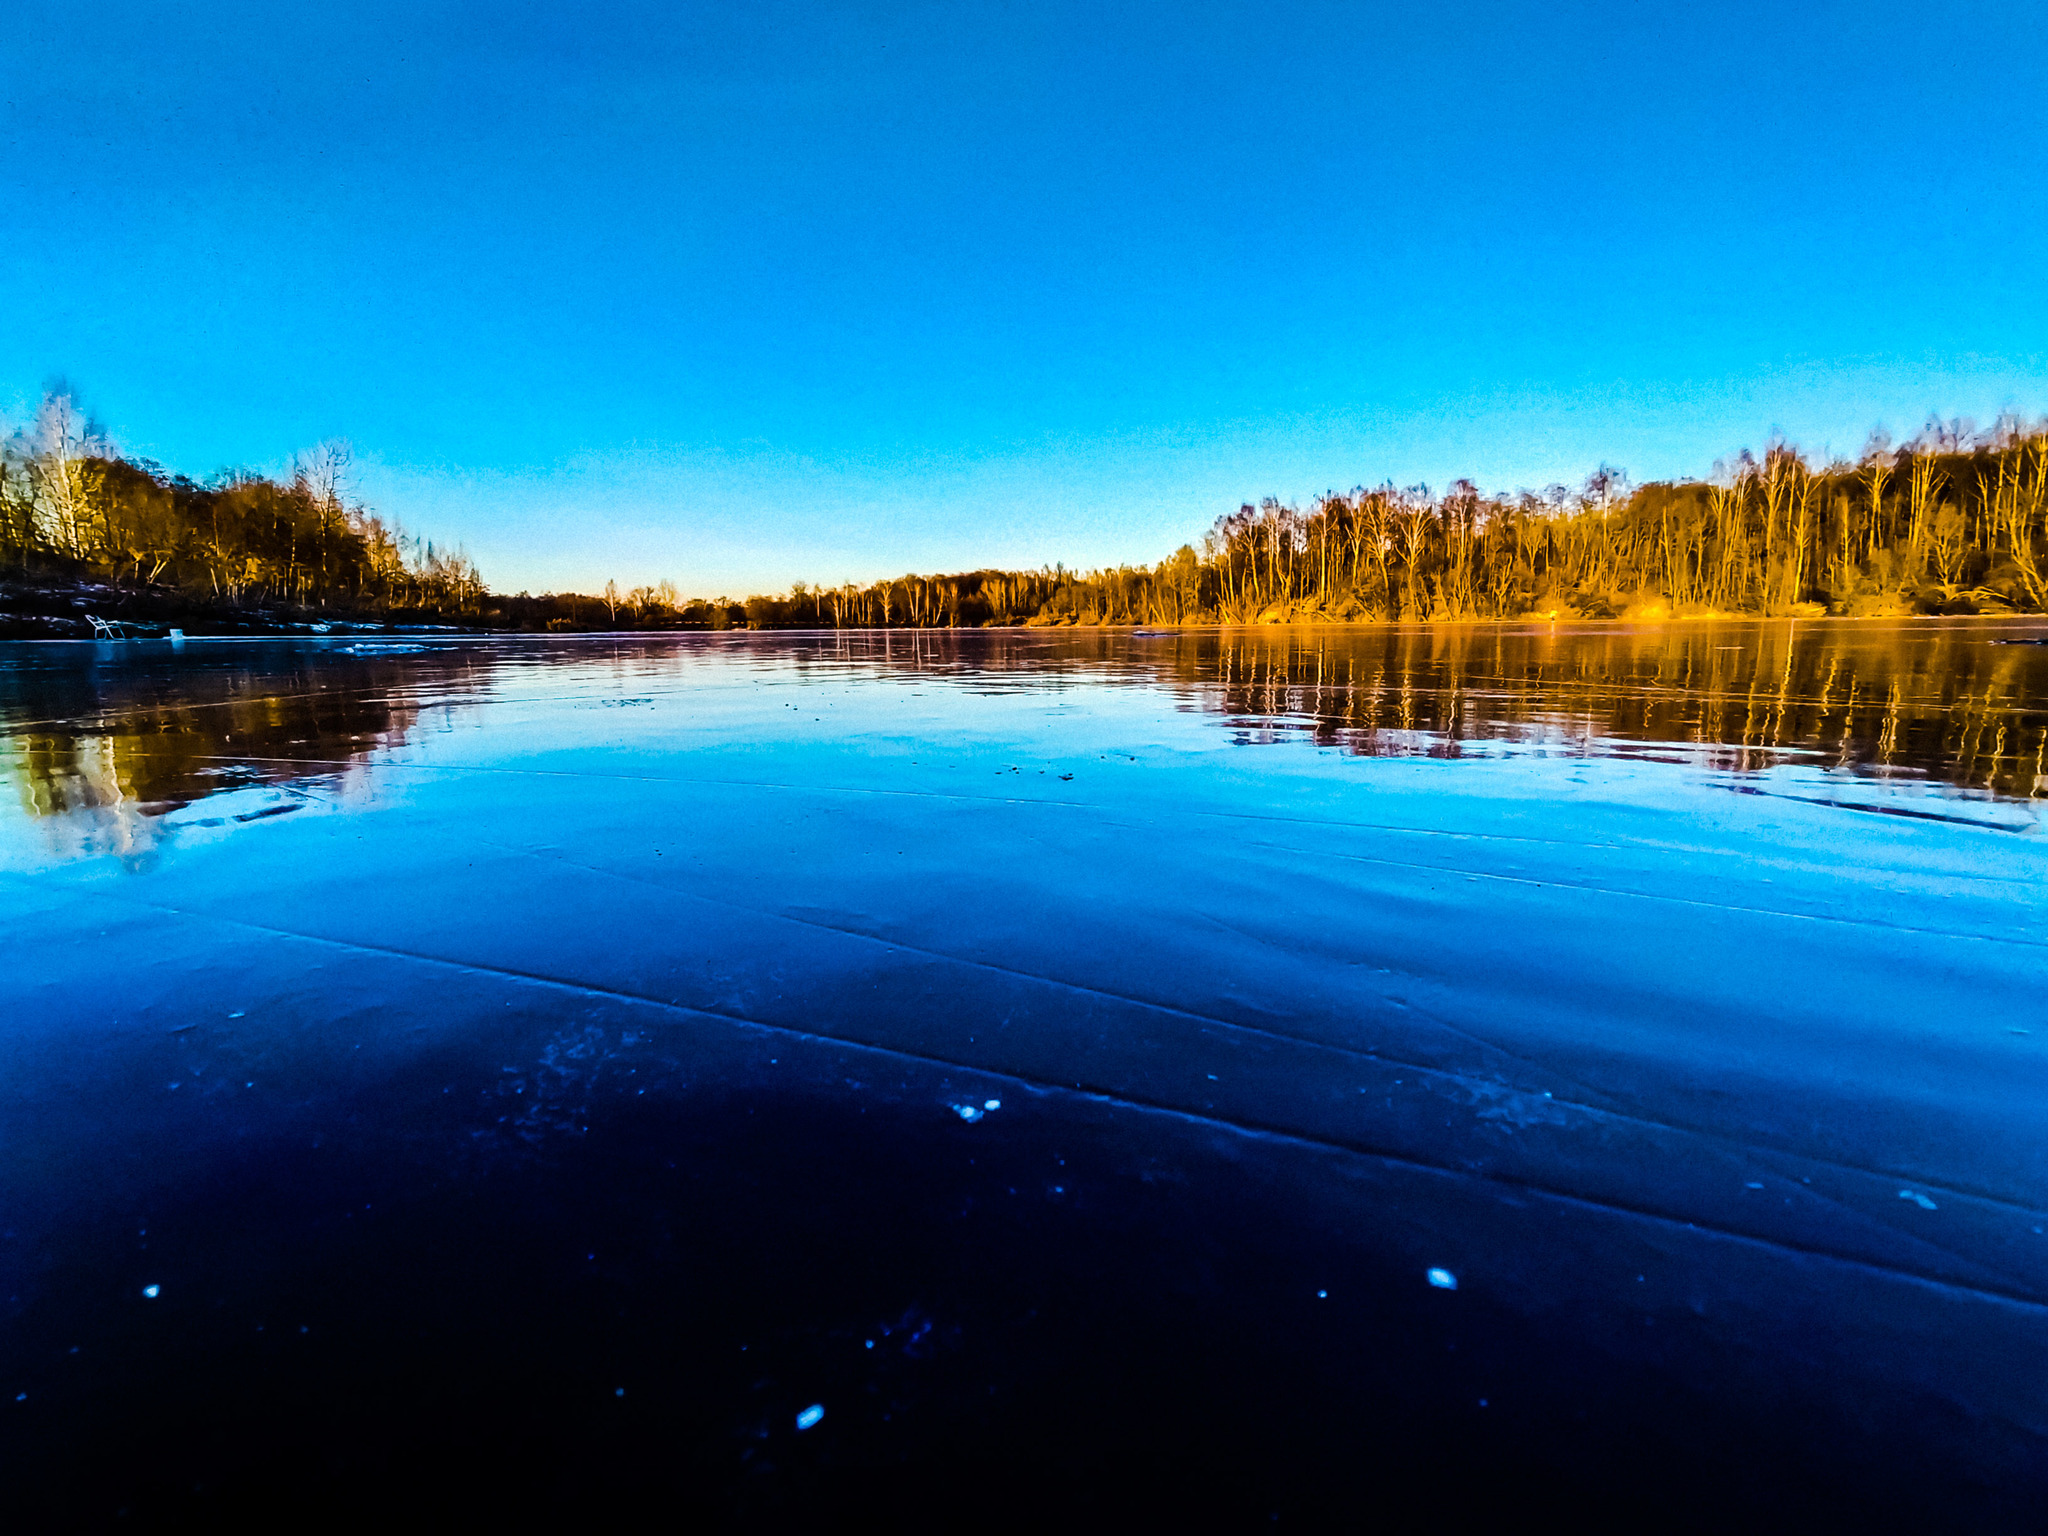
point(55, 605)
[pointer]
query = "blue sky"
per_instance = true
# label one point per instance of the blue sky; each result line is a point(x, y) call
point(752, 293)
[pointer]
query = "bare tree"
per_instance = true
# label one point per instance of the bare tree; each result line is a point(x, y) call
point(59, 447)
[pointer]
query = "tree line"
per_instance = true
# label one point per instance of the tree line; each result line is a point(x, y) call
point(70, 504)
point(1953, 521)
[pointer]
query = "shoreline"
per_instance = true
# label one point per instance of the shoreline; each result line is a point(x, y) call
point(105, 611)
point(344, 630)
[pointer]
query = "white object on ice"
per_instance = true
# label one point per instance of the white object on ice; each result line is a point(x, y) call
point(151, 1291)
point(810, 1416)
point(1443, 1279)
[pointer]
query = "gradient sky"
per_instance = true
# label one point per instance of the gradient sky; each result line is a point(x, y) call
point(749, 293)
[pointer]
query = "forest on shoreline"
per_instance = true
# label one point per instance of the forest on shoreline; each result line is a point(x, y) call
point(1954, 521)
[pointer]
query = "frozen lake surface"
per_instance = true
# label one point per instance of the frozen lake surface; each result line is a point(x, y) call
point(1325, 1074)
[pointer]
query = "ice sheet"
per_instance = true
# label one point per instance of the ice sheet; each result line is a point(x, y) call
point(1577, 1003)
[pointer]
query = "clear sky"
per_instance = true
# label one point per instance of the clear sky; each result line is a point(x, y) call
point(749, 293)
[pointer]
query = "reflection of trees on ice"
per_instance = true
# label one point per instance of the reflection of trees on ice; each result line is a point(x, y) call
point(79, 795)
point(106, 774)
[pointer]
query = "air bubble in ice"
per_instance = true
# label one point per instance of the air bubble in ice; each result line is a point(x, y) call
point(1443, 1279)
point(968, 1112)
point(810, 1416)
point(151, 1291)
